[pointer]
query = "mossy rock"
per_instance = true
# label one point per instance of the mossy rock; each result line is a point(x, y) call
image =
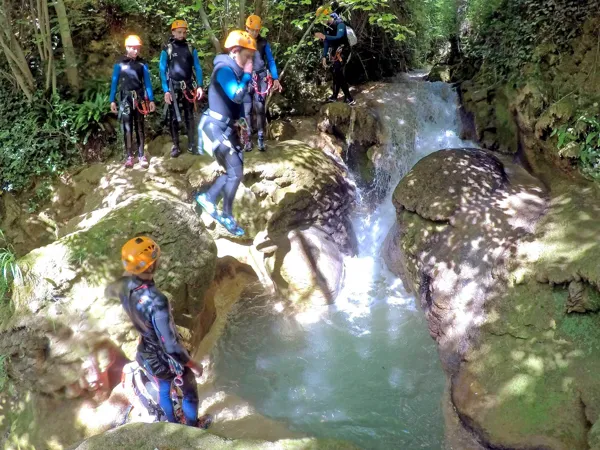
point(439, 73)
point(165, 436)
point(358, 125)
point(62, 314)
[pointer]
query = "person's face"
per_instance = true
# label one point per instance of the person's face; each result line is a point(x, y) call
point(244, 56)
point(253, 33)
point(180, 34)
point(329, 20)
point(133, 52)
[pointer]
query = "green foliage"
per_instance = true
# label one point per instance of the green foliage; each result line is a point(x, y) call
point(581, 139)
point(3, 372)
point(504, 33)
point(10, 272)
point(34, 140)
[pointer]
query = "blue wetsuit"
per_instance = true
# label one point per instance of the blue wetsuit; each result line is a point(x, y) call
point(132, 78)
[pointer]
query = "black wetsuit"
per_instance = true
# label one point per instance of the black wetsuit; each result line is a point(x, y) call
point(337, 49)
point(159, 349)
point(228, 88)
point(132, 78)
point(178, 61)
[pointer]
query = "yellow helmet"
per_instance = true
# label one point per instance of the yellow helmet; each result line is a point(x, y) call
point(138, 254)
point(239, 38)
point(254, 22)
point(133, 41)
point(323, 11)
point(179, 24)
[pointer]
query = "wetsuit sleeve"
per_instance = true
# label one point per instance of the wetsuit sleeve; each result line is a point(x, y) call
point(271, 61)
point(234, 90)
point(162, 66)
point(325, 48)
point(197, 68)
point(163, 322)
point(115, 82)
point(148, 83)
point(341, 30)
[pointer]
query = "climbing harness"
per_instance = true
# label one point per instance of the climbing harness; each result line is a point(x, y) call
point(244, 131)
point(269, 79)
point(142, 106)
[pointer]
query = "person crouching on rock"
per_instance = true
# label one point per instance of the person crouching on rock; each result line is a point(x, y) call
point(131, 74)
point(222, 124)
point(159, 350)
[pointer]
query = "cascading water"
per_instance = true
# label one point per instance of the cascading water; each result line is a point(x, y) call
point(364, 370)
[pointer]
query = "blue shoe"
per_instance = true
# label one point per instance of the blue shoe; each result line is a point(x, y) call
point(207, 205)
point(231, 225)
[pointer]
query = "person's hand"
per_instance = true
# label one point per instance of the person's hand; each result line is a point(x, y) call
point(277, 86)
point(196, 368)
point(320, 36)
point(168, 98)
point(152, 106)
point(248, 66)
point(324, 62)
point(113, 107)
point(199, 93)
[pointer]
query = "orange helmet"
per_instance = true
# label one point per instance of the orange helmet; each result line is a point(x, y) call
point(323, 11)
point(239, 38)
point(254, 22)
point(133, 41)
point(179, 24)
point(138, 254)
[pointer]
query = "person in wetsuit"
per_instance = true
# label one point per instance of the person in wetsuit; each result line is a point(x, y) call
point(132, 77)
point(159, 350)
point(222, 123)
point(178, 64)
point(257, 94)
point(336, 49)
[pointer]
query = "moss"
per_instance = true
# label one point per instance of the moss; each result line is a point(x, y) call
point(506, 128)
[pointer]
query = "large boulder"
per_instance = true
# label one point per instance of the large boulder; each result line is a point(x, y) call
point(358, 126)
point(305, 265)
point(61, 314)
point(482, 245)
point(164, 435)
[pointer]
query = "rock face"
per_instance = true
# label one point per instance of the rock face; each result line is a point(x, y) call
point(506, 273)
point(62, 315)
point(306, 265)
point(165, 435)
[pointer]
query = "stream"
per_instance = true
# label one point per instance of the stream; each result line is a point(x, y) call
point(364, 370)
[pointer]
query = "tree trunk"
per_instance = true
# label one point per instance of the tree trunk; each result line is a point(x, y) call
point(206, 24)
point(242, 15)
point(13, 52)
point(68, 49)
point(258, 7)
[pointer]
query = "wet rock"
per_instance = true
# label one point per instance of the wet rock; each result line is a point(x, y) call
point(358, 126)
point(62, 312)
point(165, 435)
point(439, 73)
point(281, 131)
point(306, 266)
point(489, 267)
